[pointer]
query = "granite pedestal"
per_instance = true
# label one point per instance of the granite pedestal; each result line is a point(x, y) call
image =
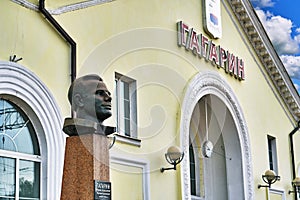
point(86, 160)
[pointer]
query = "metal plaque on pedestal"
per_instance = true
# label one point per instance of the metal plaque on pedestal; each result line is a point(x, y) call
point(102, 190)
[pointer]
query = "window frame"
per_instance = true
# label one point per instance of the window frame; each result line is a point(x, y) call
point(272, 153)
point(198, 179)
point(139, 163)
point(17, 155)
point(279, 192)
point(120, 106)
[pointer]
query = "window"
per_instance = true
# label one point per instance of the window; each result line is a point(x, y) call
point(126, 106)
point(192, 170)
point(19, 155)
point(272, 153)
point(23, 90)
point(196, 173)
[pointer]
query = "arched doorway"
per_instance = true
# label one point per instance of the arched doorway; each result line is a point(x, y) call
point(217, 172)
point(210, 112)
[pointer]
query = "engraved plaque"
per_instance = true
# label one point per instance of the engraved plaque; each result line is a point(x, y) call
point(102, 190)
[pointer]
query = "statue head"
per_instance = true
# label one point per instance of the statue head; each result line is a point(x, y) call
point(90, 98)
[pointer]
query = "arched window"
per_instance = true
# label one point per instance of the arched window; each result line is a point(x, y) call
point(34, 149)
point(19, 154)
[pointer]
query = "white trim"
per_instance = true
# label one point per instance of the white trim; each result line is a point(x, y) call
point(276, 191)
point(23, 156)
point(120, 93)
point(63, 9)
point(196, 198)
point(26, 4)
point(25, 89)
point(17, 178)
point(212, 83)
point(134, 162)
point(128, 140)
point(78, 6)
point(273, 142)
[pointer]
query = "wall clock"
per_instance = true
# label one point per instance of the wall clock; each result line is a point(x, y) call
point(207, 148)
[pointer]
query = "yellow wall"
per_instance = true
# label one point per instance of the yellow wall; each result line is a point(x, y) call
point(27, 34)
point(128, 178)
point(138, 39)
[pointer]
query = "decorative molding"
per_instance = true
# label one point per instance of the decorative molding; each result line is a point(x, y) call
point(212, 83)
point(63, 9)
point(26, 4)
point(279, 192)
point(24, 88)
point(258, 38)
point(139, 163)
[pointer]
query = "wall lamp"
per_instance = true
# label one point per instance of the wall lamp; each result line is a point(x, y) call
point(296, 185)
point(173, 156)
point(269, 178)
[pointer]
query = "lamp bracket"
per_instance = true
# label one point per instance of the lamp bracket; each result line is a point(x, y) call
point(169, 168)
point(172, 162)
point(267, 186)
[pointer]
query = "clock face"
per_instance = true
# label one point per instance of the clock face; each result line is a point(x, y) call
point(207, 148)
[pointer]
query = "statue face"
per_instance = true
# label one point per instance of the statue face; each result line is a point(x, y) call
point(97, 103)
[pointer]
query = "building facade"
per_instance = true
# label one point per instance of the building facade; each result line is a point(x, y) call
point(199, 75)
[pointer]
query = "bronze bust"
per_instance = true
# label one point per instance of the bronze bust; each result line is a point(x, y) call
point(91, 103)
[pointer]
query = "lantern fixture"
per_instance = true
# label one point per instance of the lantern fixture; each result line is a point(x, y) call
point(269, 178)
point(173, 156)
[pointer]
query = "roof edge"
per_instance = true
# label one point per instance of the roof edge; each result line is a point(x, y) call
point(263, 47)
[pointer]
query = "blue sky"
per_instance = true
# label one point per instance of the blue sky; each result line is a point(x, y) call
point(281, 20)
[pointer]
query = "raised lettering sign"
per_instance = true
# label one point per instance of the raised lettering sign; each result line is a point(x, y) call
point(201, 46)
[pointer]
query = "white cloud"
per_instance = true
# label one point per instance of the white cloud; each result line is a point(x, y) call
point(292, 65)
point(279, 30)
point(297, 37)
point(297, 86)
point(285, 41)
point(263, 3)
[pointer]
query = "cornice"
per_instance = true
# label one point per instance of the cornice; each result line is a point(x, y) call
point(263, 47)
point(63, 9)
point(26, 4)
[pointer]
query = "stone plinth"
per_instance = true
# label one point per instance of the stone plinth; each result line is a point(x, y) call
point(86, 160)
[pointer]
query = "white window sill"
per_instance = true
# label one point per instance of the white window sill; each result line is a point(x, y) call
point(196, 197)
point(128, 140)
